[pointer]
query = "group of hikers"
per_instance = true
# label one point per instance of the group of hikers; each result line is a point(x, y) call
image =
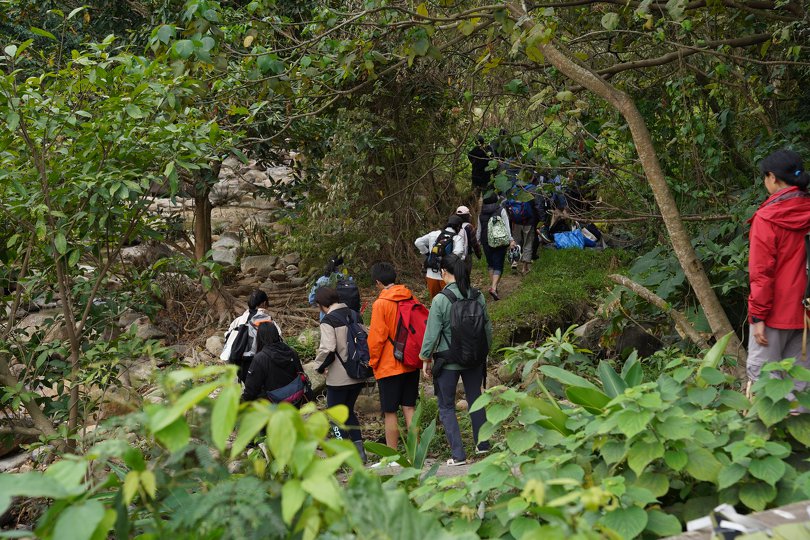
point(446, 343)
point(451, 340)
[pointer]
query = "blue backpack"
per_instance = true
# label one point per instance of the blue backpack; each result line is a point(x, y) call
point(521, 212)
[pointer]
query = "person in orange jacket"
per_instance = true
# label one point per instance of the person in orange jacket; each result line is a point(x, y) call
point(398, 384)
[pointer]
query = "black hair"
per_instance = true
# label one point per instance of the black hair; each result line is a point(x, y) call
point(480, 140)
point(384, 272)
point(326, 296)
point(332, 266)
point(455, 266)
point(787, 166)
point(455, 222)
point(266, 333)
point(256, 299)
point(465, 218)
point(490, 198)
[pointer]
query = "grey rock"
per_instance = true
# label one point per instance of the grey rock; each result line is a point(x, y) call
point(227, 241)
point(144, 255)
point(128, 317)
point(367, 404)
point(317, 380)
point(48, 320)
point(461, 405)
point(144, 329)
point(291, 270)
point(292, 258)
point(225, 257)
point(278, 275)
point(298, 281)
point(214, 345)
point(506, 377)
point(260, 265)
point(140, 371)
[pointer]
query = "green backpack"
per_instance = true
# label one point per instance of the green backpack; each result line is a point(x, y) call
point(497, 232)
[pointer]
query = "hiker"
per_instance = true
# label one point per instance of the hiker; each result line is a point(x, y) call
point(398, 383)
point(245, 333)
point(495, 236)
point(435, 245)
point(777, 267)
point(274, 366)
point(479, 158)
point(341, 389)
point(470, 236)
point(523, 220)
point(341, 281)
point(456, 344)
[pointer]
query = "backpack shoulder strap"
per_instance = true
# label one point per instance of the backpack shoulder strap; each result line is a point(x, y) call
point(806, 299)
point(449, 295)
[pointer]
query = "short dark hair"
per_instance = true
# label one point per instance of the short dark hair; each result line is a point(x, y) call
point(384, 273)
point(787, 166)
point(455, 222)
point(256, 298)
point(326, 296)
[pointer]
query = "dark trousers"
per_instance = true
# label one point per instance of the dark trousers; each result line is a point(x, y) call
point(345, 395)
point(444, 386)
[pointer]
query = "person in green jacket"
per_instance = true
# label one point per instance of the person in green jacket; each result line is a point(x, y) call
point(434, 354)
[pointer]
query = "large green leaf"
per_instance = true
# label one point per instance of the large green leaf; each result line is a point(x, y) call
point(662, 524)
point(770, 469)
point(799, 428)
point(30, 484)
point(676, 459)
point(521, 440)
point(566, 377)
point(771, 412)
point(612, 383)
point(632, 422)
point(79, 521)
point(715, 354)
point(424, 444)
point(223, 417)
point(555, 417)
point(702, 464)
point(590, 399)
point(642, 453)
point(730, 475)
point(757, 495)
point(655, 483)
point(627, 522)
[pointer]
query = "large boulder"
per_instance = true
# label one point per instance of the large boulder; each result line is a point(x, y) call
point(317, 380)
point(144, 255)
point(367, 404)
point(291, 259)
point(261, 265)
point(214, 345)
point(227, 249)
point(49, 320)
point(144, 329)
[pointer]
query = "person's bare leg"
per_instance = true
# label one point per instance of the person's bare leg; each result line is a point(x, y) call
point(408, 413)
point(392, 430)
point(495, 279)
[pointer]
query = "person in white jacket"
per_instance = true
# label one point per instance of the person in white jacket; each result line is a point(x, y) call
point(258, 305)
point(425, 243)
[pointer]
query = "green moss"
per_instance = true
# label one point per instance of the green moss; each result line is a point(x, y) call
point(558, 291)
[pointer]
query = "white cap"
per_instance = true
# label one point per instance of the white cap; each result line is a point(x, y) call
point(462, 211)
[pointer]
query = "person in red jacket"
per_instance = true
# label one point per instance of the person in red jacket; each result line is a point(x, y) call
point(776, 265)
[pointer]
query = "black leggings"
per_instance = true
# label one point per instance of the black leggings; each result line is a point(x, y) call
point(345, 395)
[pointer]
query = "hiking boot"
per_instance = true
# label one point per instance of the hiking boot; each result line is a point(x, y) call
point(455, 462)
point(361, 450)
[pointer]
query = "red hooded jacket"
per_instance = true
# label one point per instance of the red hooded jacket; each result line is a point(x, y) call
point(777, 264)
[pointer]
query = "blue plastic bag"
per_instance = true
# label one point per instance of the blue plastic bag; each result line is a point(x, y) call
point(569, 240)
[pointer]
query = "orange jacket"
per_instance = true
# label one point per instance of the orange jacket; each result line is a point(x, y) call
point(384, 326)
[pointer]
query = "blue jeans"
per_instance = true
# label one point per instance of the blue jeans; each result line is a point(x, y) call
point(444, 386)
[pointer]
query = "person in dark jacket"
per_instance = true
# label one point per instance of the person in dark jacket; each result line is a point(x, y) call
point(479, 158)
point(776, 266)
point(275, 365)
point(473, 243)
point(495, 255)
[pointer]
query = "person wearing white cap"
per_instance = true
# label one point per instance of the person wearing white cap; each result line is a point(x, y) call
point(473, 244)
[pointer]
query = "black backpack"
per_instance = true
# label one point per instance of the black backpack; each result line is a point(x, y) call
point(356, 362)
point(443, 246)
point(468, 334)
point(348, 293)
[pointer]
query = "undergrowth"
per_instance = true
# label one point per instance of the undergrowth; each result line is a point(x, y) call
point(558, 291)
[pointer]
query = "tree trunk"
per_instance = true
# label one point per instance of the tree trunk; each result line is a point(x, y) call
point(681, 242)
point(202, 222)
